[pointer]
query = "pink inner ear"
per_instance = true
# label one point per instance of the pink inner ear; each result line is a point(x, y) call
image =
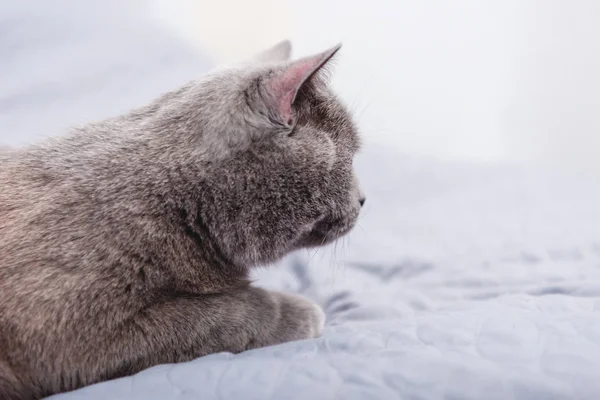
point(284, 86)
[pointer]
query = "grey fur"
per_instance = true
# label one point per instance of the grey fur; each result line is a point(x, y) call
point(127, 243)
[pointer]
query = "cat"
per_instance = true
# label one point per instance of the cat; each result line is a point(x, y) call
point(127, 243)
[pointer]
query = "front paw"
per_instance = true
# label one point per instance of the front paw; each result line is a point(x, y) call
point(300, 318)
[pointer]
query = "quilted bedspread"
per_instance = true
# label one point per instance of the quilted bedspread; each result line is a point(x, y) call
point(459, 282)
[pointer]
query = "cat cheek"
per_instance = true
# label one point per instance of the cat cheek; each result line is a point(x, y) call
point(326, 154)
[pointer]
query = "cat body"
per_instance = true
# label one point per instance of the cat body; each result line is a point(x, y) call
point(127, 243)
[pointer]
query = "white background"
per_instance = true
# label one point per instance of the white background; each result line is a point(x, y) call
point(486, 81)
point(508, 81)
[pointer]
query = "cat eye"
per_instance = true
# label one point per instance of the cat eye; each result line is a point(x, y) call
point(293, 129)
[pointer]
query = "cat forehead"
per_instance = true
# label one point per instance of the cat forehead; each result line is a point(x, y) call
point(322, 108)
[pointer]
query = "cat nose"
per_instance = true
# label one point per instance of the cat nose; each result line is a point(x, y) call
point(362, 201)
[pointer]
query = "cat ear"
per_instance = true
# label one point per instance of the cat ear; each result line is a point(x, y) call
point(278, 53)
point(283, 85)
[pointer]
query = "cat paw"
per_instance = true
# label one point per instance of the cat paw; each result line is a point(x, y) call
point(301, 317)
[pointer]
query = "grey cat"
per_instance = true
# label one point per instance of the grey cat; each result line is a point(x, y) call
point(128, 242)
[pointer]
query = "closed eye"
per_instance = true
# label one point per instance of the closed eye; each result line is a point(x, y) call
point(293, 130)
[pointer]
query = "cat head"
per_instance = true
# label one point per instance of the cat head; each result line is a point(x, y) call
point(277, 148)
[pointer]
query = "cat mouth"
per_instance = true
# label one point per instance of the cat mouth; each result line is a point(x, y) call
point(325, 231)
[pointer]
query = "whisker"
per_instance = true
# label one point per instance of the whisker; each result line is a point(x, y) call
point(316, 251)
point(362, 229)
point(347, 245)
